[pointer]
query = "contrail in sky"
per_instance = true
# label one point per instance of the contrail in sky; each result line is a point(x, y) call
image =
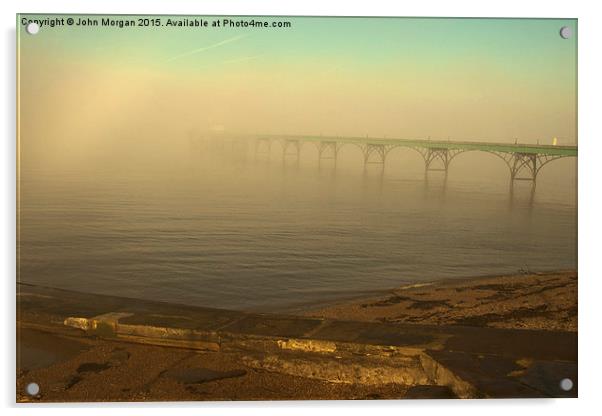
point(246, 58)
point(204, 48)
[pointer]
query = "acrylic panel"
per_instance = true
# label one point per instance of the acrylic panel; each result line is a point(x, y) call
point(295, 208)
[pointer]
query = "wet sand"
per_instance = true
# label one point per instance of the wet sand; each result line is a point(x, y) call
point(546, 301)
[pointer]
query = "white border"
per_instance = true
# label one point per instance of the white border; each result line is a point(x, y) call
point(589, 182)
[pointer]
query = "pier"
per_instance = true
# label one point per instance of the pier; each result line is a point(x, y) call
point(524, 161)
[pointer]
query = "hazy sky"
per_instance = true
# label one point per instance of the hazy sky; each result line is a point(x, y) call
point(88, 91)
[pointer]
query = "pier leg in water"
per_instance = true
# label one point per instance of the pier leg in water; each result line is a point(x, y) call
point(295, 146)
point(263, 146)
point(380, 152)
point(327, 150)
point(441, 155)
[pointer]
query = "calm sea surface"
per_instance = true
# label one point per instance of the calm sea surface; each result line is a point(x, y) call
point(236, 232)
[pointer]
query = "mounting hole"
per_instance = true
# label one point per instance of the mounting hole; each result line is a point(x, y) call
point(566, 384)
point(566, 32)
point(32, 28)
point(33, 389)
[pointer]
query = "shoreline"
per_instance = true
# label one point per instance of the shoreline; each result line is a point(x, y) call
point(304, 307)
point(539, 300)
point(542, 300)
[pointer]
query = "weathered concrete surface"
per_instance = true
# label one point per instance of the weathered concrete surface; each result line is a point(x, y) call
point(110, 370)
point(375, 358)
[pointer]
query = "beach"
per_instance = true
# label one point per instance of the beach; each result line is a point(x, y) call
point(504, 336)
point(545, 301)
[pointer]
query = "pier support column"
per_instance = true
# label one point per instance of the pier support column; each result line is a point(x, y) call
point(328, 150)
point(523, 167)
point(526, 166)
point(291, 147)
point(434, 154)
point(263, 146)
point(380, 155)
